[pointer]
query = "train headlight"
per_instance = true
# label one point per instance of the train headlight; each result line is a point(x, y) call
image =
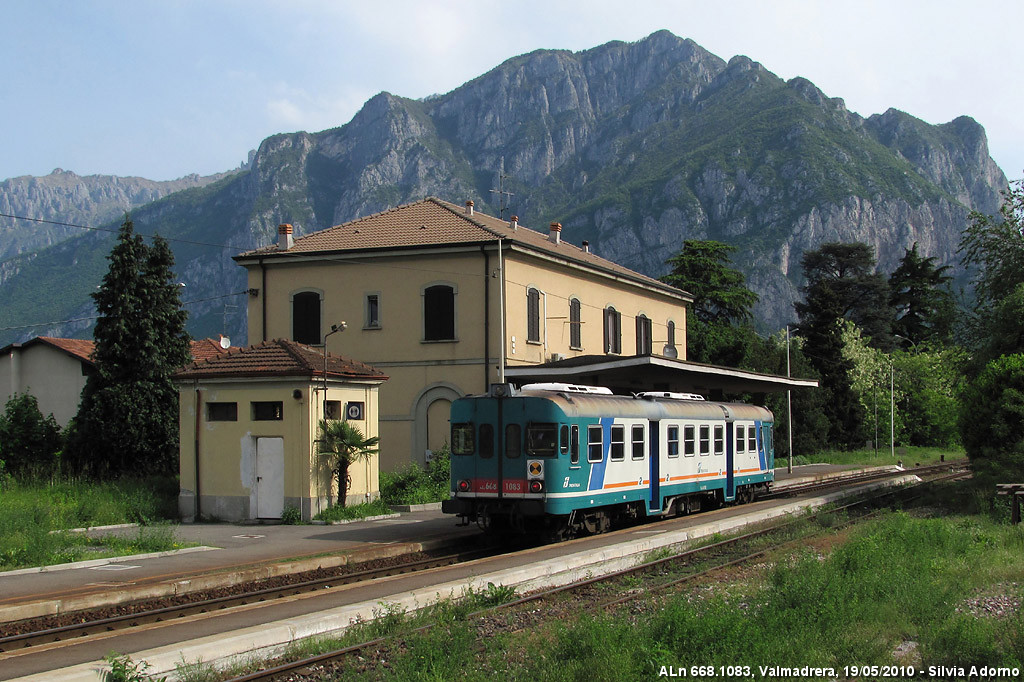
point(464, 486)
point(536, 486)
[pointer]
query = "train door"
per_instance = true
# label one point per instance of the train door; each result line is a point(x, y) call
point(654, 451)
point(730, 458)
point(511, 459)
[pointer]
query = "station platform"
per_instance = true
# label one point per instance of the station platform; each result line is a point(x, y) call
point(228, 554)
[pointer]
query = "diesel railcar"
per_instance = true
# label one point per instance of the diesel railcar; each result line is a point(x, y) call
point(560, 460)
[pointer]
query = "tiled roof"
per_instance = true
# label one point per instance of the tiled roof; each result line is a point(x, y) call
point(203, 349)
point(79, 348)
point(433, 222)
point(278, 358)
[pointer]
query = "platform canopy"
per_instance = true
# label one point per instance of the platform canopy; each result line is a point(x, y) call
point(633, 374)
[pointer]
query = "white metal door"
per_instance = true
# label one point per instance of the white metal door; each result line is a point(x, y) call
point(269, 478)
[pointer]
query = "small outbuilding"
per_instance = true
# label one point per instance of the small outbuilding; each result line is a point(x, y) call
point(249, 423)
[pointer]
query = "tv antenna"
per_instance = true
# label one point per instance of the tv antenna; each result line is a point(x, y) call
point(502, 194)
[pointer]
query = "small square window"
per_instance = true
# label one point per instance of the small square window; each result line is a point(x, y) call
point(221, 412)
point(267, 411)
point(332, 409)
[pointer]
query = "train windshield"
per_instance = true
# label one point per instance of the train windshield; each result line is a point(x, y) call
point(462, 439)
point(541, 440)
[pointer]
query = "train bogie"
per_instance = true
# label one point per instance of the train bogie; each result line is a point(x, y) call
point(561, 461)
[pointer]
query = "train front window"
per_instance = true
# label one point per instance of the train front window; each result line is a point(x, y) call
point(462, 439)
point(541, 440)
point(487, 441)
point(513, 436)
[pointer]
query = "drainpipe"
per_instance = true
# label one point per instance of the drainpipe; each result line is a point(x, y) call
point(263, 301)
point(199, 412)
point(487, 318)
point(501, 313)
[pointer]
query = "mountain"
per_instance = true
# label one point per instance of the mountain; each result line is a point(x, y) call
point(62, 196)
point(632, 146)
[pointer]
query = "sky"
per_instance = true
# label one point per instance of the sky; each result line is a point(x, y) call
point(165, 89)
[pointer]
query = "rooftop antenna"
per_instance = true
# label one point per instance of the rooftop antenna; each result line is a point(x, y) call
point(502, 194)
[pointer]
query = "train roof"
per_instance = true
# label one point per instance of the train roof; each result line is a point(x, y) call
point(588, 404)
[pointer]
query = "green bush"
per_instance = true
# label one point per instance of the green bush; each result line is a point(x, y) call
point(991, 412)
point(29, 442)
point(416, 485)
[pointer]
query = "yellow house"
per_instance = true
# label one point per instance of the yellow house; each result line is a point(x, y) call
point(445, 299)
point(248, 424)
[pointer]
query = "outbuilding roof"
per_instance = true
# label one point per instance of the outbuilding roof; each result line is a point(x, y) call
point(278, 358)
point(432, 222)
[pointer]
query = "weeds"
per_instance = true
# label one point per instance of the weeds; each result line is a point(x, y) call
point(124, 669)
point(357, 511)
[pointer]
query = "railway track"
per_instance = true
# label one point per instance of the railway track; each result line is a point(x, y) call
point(30, 635)
point(710, 558)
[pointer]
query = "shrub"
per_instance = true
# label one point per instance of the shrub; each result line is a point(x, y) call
point(991, 412)
point(416, 485)
point(29, 442)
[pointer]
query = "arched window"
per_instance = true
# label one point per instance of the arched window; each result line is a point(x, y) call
point(306, 317)
point(612, 330)
point(643, 335)
point(533, 315)
point(575, 324)
point(439, 313)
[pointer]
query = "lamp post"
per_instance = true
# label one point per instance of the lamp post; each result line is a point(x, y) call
point(335, 328)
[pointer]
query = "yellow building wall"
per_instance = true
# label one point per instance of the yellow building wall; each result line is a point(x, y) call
point(227, 449)
point(423, 374)
point(52, 376)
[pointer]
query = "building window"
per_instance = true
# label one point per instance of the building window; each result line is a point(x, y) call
point(221, 412)
point(267, 411)
point(372, 311)
point(671, 343)
point(533, 315)
point(439, 313)
point(306, 317)
point(612, 330)
point(643, 335)
point(332, 409)
point(575, 324)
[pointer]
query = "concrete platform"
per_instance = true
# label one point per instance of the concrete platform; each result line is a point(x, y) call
point(544, 566)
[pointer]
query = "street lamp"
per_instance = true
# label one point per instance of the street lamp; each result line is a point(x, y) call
point(335, 328)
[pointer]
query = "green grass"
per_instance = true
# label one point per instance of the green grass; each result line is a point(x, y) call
point(868, 457)
point(36, 515)
point(357, 511)
point(898, 580)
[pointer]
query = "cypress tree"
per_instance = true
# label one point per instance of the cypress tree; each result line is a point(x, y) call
point(128, 416)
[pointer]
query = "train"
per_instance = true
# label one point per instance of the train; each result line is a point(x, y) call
point(561, 460)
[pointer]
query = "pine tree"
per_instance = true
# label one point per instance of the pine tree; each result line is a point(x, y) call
point(921, 299)
point(128, 416)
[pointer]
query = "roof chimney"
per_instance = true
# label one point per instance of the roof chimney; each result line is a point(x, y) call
point(469, 208)
point(555, 236)
point(284, 237)
point(586, 246)
point(515, 223)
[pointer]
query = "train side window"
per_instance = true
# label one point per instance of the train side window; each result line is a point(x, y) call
point(595, 446)
point(752, 438)
point(689, 441)
point(705, 440)
point(541, 440)
point(638, 441)
point(487, 441)
point(719, 440)
point(563, 439)
point(513, 444)
point(574, 446)
point(462, 439)
point(741, 439)
point(618, 447)
point(673, 441)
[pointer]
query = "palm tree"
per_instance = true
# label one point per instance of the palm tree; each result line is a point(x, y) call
point(342, 444)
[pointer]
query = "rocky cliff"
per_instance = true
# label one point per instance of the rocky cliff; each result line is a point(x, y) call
point(632, 146)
